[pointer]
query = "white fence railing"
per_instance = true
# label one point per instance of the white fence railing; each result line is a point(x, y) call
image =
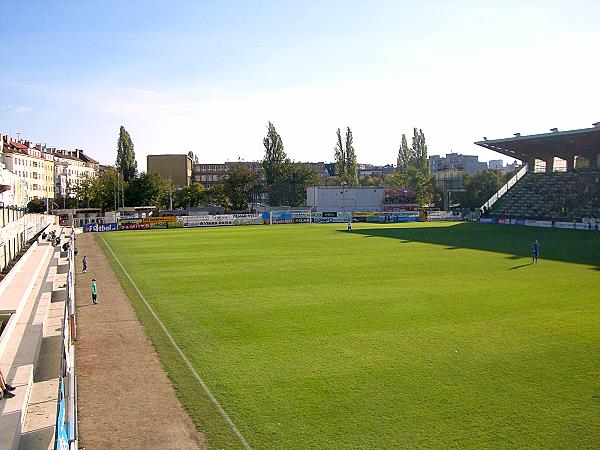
point(66, 417)
point(505, 188)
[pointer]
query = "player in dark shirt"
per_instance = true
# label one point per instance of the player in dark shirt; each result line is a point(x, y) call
point(536, 251)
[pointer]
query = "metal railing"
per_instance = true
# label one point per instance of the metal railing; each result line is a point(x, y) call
point(487, 205)
point(66, 417)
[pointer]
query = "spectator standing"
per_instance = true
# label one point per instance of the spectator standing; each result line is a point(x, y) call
point(85, 264)
point(5, 388)
point(94, 291)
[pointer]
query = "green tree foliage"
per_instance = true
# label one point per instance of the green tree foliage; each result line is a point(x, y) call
point(419, 151)
point(291, 189)
point(217, 196)
point(239, 186)
point(404, 155)
point(345, 158)
point(299, 177)
point(339, 155)
point(412, 169)
point(147, 189)
point(36, 205)
point(275, 157)
point(275, 165)
point(101, 191)
point(479, 188)
point(126, 162)
point(190, 196)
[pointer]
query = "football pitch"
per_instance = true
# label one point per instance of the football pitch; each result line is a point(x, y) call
point(417, 335)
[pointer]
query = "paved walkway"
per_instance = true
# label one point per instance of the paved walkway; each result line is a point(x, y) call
point(125, 399)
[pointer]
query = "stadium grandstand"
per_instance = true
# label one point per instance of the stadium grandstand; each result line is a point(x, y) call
point(560, 181)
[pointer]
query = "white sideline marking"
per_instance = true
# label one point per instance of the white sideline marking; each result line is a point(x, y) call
point(187, 362)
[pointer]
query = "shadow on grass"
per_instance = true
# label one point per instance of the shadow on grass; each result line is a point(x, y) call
point(574, 246)
point(522, 265)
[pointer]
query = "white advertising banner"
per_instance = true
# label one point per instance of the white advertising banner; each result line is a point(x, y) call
point(539, 223)
point(569, 225)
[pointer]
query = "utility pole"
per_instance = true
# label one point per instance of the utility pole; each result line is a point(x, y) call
point(171, 194)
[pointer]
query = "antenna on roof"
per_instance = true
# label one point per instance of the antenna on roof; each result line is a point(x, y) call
point(554, 130)
point(484, 138)
point(517, 135)
point(596, 125)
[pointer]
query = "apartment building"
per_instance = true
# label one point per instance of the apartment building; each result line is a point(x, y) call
point(211, 174)
point(40, 172)
point(70, 167)
point(32, 166)
point(455, 161)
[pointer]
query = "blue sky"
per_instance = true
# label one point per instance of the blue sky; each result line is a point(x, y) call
point(207, 76)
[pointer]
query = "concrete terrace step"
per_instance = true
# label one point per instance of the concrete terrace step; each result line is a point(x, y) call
point(38, 429)
point(29, 295)
point(13, 410)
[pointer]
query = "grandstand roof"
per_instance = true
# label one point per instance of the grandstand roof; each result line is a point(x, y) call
point(584, 142)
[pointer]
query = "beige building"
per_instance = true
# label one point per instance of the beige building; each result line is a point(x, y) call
point(41, 172)
point(70, 167)
point(177, 168)
point(210, 174)
point(32, 166)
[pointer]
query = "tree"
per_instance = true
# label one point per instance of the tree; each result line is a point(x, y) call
point(216, 195)
point(419, 151)
point(275, 157)
point(479, 188)
point(126, 162)
point(351, 168)
point(298, 178)
point(191, 196)
point(102, 191)
point(412, 169)
point(148, 189)
point(274, 164)
point(84, 191)
point(239, 186)
point(36, 205)
point(405, 155)
point(340, 156)
point(345, 158)
point(290, 190)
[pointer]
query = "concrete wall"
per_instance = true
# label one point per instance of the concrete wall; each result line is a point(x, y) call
point(342, 198)
point(16, 228)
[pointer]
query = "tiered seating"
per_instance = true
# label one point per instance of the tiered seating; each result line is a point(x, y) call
point(562, 196)
point(27, 420)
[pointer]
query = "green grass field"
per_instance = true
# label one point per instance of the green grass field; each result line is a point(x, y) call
point(417, 335)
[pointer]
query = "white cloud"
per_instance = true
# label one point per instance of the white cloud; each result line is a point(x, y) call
point(22, 109)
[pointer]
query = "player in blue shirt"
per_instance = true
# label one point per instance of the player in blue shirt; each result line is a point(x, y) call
point(536, 251)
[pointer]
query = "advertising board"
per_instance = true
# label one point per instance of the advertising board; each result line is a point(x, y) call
point(99, 227)
point(134, 226)
point(538, 223)
point(219, 220)
point(163, 219)
point(396, 217)
point(569, 225)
